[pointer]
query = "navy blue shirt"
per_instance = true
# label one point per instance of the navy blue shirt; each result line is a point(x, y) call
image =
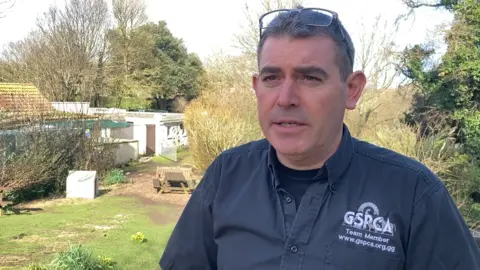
point(375, 209)
point(294, 183)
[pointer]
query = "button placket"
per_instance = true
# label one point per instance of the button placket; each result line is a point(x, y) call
point(289, 211)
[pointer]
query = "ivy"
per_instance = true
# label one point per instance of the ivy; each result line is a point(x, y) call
point(452, 89)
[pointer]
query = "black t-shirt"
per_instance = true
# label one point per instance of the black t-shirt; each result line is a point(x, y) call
point(296, 182)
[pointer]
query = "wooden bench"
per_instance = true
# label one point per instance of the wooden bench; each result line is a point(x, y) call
point(157, 185)
point(3, 203)
point(170, 179)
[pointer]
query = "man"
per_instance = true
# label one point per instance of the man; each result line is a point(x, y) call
point(310, 196)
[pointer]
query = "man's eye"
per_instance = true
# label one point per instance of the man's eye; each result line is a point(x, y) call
point(269, 78)
point(311, 78)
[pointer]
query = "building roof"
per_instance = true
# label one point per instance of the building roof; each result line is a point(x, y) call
point(22, 97)
point(172, 117)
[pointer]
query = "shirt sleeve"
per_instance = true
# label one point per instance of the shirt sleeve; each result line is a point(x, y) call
point(191, 245)
point(439, 237)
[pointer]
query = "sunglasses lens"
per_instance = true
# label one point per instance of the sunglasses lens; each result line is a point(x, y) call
point(273, 19)
point(314, 17)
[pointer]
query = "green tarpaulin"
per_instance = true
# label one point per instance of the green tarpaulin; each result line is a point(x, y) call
point(89, 123)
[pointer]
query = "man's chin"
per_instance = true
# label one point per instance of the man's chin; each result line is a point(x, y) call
point(288, 146)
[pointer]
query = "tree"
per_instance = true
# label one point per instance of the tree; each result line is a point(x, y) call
point(247, 39)
point(161, 68)
point(128, 16)
point(375, 56)
point(416, 4)
point(450, 90)
point(413, 4)
point(178, 73)
point(229, 73)
point(5, 5)
point(64, 55)
point(376, 53)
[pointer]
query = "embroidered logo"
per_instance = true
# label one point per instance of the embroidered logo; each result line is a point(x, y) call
point(368, 218)
point(365, 227)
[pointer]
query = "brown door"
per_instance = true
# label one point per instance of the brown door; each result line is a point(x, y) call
point(150, 140)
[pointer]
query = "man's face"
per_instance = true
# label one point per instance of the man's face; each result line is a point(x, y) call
point(301, 95)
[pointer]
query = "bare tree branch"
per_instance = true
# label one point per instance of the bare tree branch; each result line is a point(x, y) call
point(376, 58)
point(62, 55)
point(416, 4)
point(5, 5)
point(376, 53)
point(425, 3)
point(248, 39)
point(128, 15)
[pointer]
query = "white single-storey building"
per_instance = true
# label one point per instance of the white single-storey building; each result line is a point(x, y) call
point(157, 133)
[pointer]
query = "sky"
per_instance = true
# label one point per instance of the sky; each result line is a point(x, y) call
point(207, 26)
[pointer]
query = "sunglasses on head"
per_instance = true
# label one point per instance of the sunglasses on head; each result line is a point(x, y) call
point(315, 17)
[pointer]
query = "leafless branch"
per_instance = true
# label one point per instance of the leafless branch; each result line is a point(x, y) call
point(6, 5)
point(416, 4)
point(376, 53)
point(425, 3)
point(128, 15)
point(247, 40)
point(61, 55)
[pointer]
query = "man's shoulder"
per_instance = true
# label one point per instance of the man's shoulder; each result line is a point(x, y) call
point(256, 147)
point(389, 160)
point(242, 155)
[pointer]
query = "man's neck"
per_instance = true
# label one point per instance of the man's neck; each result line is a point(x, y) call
point(313, 159)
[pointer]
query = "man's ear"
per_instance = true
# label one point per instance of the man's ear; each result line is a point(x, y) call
point(255, 81)
point(355, 84)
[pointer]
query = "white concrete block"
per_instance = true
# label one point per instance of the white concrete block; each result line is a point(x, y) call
point(82, 184)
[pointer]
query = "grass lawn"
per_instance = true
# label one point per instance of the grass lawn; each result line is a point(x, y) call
point(105, 225)
point(183, 158)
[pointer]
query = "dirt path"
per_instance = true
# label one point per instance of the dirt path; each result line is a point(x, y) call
point(141, 188)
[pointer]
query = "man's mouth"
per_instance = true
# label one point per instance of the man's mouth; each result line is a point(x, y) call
point(289, 123)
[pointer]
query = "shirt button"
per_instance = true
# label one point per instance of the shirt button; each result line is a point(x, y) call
point(288, 200)
point(294, 249)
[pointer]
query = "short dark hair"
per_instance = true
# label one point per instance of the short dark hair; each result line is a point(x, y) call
point(292, 25)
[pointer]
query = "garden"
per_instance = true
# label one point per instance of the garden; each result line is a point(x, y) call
point(126, 227)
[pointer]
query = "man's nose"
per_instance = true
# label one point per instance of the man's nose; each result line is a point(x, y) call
point(288, 94)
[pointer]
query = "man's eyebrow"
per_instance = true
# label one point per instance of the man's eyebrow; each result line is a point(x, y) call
point(270, 69)
point(312, 69)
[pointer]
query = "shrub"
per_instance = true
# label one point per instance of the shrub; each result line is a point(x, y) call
point(377, 108)
point(440, 153)
point(78, 257)
point(464, 185)
point(219, 120)
point(437, 151)
point(37, 266)
point(378, 120)
point(36, 158)
point(115, 176)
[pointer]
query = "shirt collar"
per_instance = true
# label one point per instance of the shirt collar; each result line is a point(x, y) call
point(336, 165)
